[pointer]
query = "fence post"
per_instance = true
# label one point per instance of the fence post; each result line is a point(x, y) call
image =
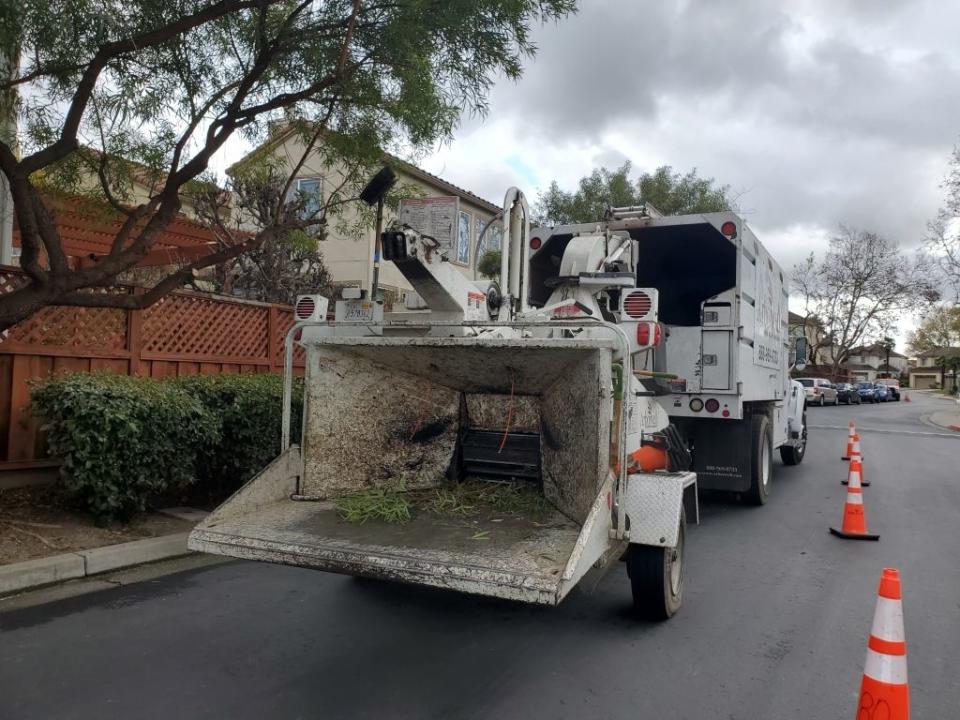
point(273, 347)
point(135, 337)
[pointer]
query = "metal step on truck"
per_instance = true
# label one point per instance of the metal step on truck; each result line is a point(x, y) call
point(592, 376)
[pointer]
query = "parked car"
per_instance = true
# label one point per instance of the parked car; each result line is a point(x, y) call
point(819, 391)
point(881, 393)
point(892, 385)
point(847, 393)
point(867, 392)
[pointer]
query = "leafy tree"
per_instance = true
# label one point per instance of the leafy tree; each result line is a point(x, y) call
point(164, 85)
point(674, 194)
point(280, 268)
point(943, 234)
point(857, 291)
point(669, 192)
point(489, 264)
point(940, 328)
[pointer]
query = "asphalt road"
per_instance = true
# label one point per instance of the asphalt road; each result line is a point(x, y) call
point(774, 624)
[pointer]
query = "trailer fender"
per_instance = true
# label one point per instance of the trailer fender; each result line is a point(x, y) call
point(652, 503)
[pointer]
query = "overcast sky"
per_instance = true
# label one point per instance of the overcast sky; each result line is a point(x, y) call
point(816, 112)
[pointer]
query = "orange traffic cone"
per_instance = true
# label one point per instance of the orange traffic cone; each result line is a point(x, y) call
point(855, 448)
point(854, 520)
point(852, 431)
point(884, 692)
point(855, 467)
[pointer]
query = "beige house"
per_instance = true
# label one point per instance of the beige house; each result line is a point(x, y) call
point(798, 326)
point(349, 256)
point(869, 362)
point(929, 372)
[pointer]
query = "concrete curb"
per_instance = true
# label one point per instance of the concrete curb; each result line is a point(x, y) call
point(83, 563)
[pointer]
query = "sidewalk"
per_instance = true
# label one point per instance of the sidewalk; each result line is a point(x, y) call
point(18, 577)
point(949, 416)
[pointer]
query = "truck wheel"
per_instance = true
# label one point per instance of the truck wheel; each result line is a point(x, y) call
point(761, 461)
point(656, 576)
point(793, 454)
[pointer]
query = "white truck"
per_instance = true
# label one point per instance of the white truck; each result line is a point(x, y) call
point(594, 373)
point(722, 368)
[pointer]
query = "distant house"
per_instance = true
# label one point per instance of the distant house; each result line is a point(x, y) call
point(812, 330)
point(869, 362)
point(933, 369)
point(350, 259)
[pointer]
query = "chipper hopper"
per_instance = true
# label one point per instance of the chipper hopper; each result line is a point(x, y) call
point(412, 414)
point(484, 391)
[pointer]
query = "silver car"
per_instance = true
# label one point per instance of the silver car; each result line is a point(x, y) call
point(819, 391)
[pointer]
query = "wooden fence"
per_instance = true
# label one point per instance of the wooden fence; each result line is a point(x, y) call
point(185, 333)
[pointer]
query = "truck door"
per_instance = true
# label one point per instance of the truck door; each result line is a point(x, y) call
point(716, 359)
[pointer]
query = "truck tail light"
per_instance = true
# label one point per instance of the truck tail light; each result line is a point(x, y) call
point(648, 333)
point(535, 243)
point(729, 228)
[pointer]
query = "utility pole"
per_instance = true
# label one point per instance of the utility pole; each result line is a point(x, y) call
point(888, 343)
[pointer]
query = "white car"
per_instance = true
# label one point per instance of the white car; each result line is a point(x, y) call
point(819, 391)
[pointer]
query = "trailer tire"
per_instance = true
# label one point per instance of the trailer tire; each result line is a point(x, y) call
point(761, 461)
point(793, 454)
point(656, 576)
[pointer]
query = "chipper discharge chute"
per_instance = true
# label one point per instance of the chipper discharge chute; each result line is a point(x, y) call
point(500, 438)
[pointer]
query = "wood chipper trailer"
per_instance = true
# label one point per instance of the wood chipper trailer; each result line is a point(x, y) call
point(486, 387)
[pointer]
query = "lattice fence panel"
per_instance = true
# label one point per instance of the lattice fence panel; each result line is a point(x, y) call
point(285, 321)
point(194, 325)
point(10, 280)
point(56, 325)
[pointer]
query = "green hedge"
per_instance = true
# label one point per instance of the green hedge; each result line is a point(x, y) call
point(122, 439)
point(126, 440)
point(250, 411)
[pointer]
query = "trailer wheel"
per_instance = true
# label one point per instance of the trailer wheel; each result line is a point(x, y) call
point(656, 576)
point(761, 461)
point(793, 454)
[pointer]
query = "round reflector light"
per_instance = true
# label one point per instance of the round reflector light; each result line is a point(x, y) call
point(712, 405)
point(305, 307)
point(696, 404)
point(535, 243)
point(729, 228)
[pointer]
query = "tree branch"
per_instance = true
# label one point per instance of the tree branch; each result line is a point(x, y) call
point(67, 142)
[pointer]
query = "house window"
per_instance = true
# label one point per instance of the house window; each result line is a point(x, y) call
point(463, 239)
point(310, 191)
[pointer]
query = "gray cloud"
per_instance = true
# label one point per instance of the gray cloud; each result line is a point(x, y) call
point(818, 112)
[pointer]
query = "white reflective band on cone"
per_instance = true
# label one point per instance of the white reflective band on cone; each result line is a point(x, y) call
point(854, 499)
point(890, 669)
point(854, 480)
point(888, 620)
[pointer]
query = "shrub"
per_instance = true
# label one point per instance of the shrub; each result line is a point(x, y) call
point(249, 411)
point(122, 439)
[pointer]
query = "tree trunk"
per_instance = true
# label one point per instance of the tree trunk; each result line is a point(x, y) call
point(20, 304)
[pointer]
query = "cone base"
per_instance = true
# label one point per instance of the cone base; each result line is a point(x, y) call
point(864, 483)
point(853, 536)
